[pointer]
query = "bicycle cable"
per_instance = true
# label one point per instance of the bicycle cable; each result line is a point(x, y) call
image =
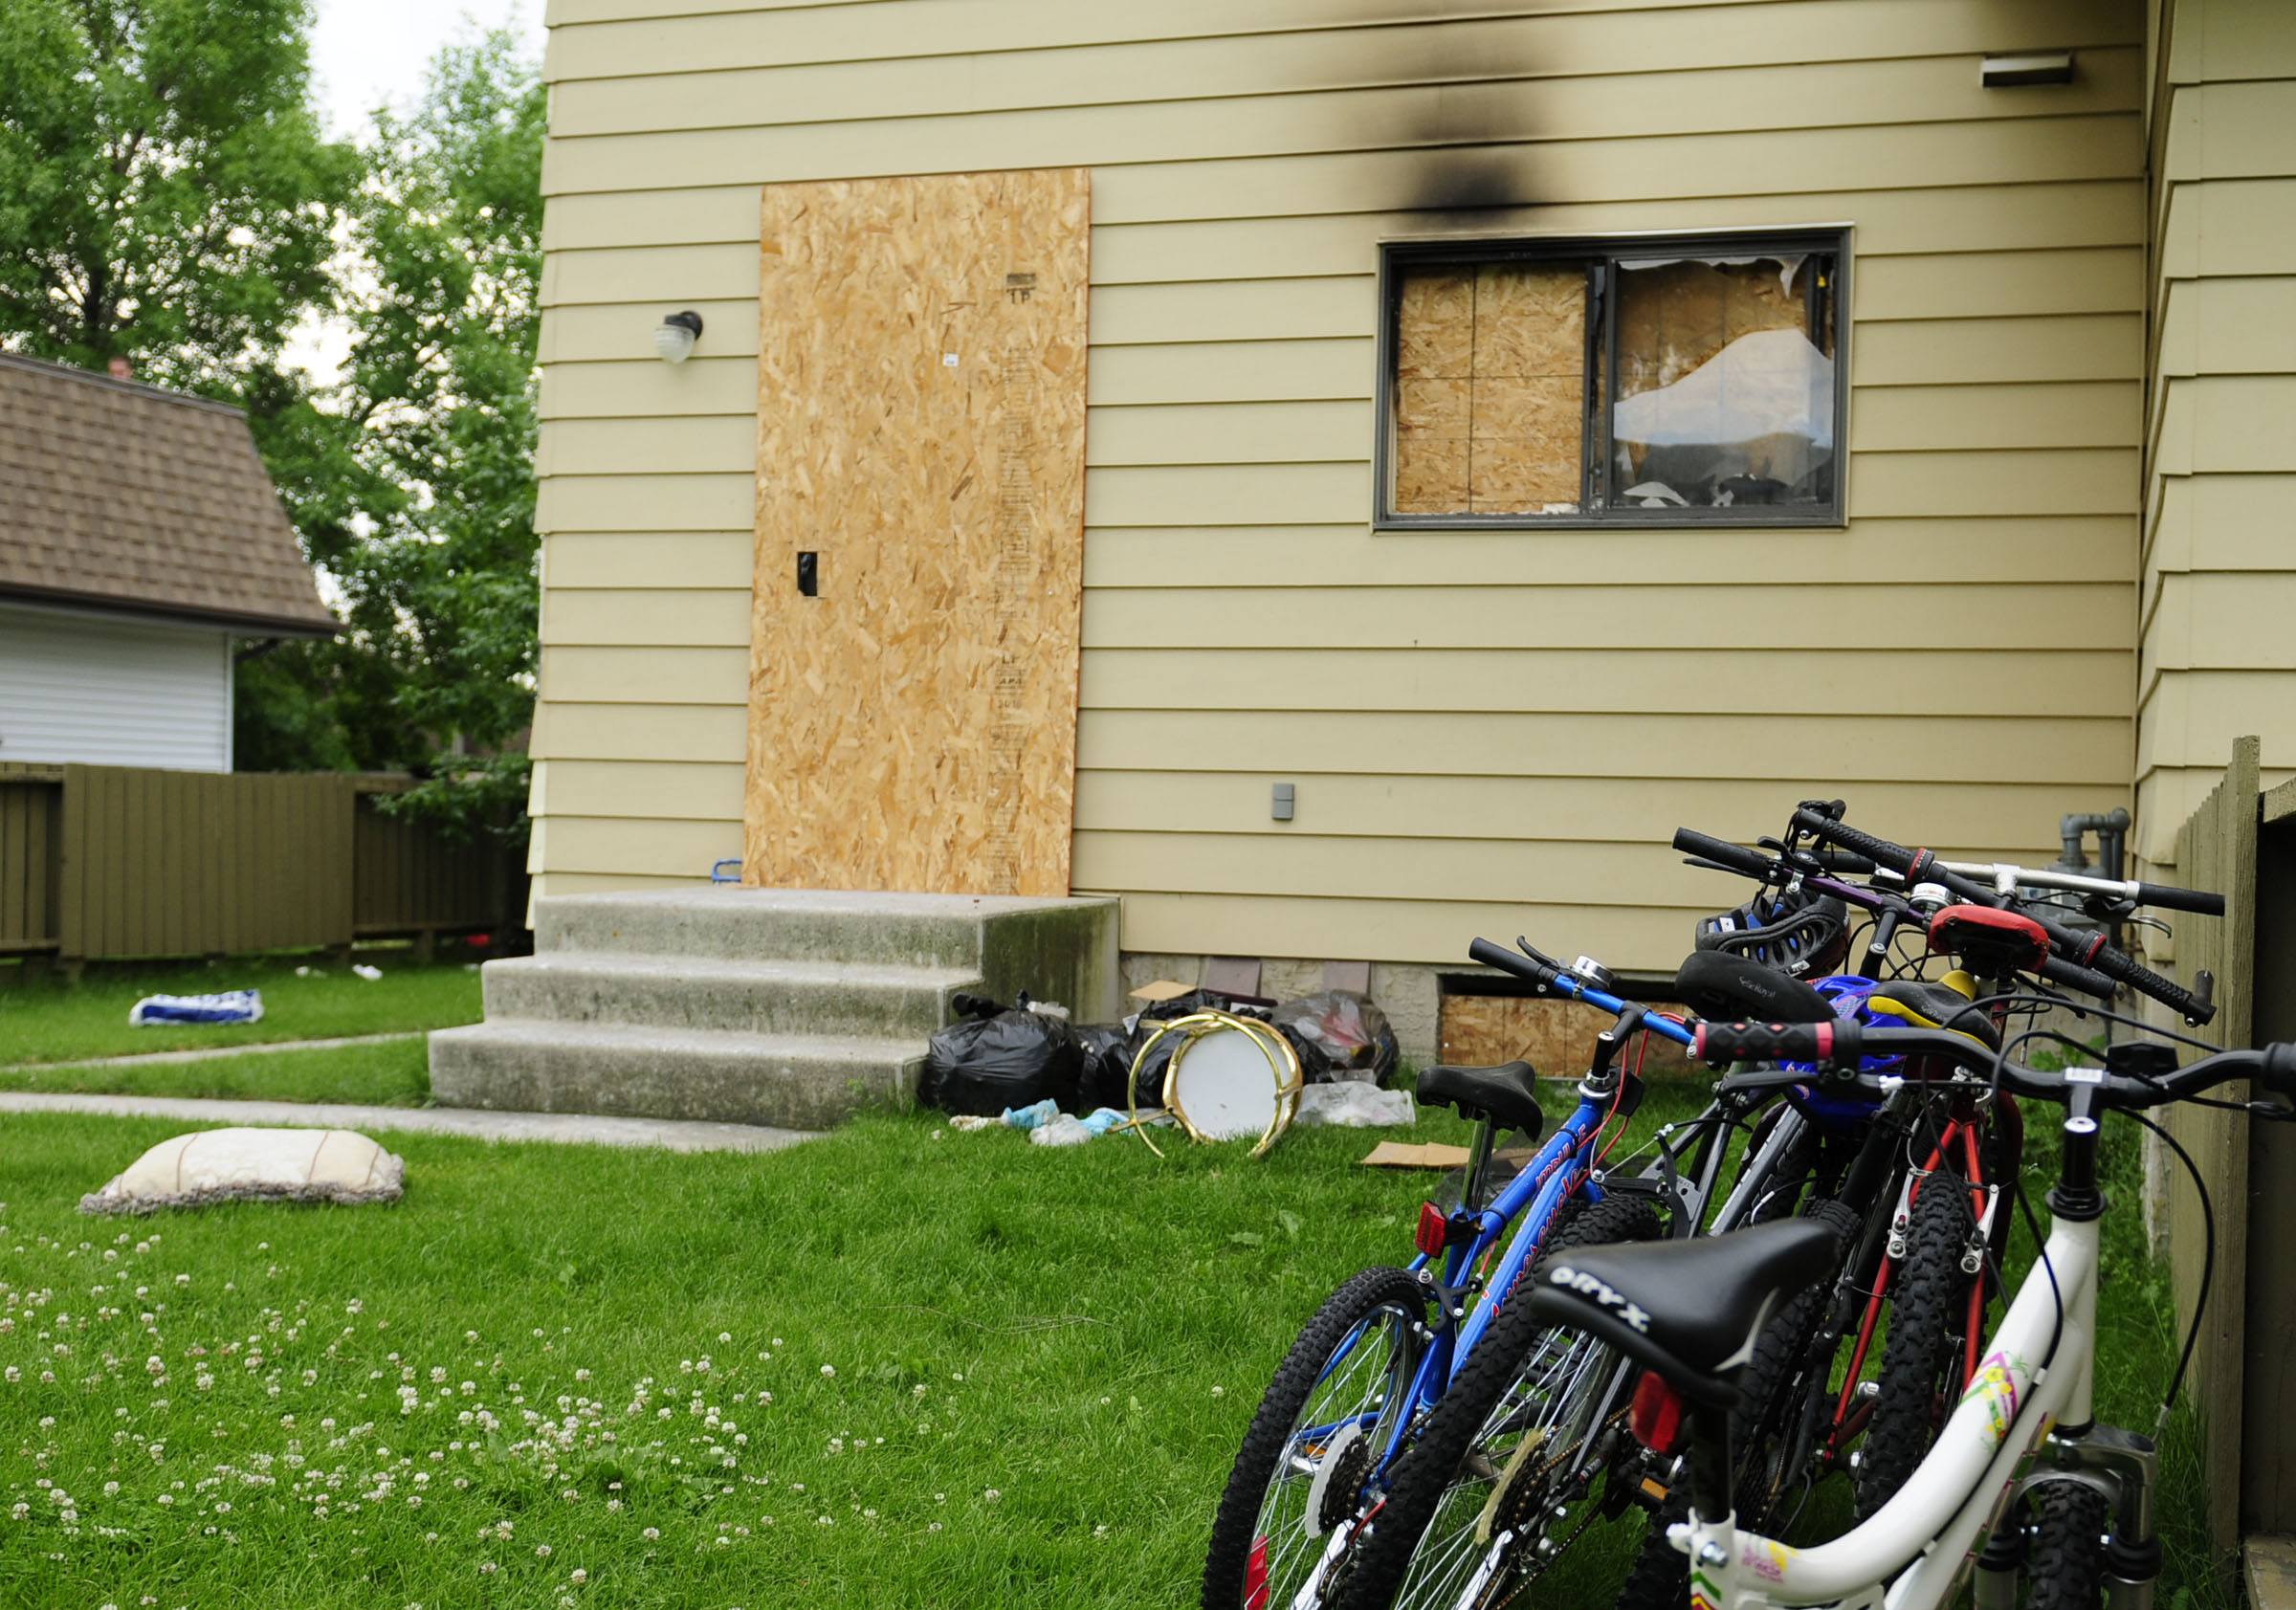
point(2208, 1265)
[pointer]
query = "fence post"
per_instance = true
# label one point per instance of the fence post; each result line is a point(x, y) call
point(2216, 849)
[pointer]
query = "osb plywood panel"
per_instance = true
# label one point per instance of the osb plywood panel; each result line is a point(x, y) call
point(1489, 360)
point(920, 428)
point(1555, 1037)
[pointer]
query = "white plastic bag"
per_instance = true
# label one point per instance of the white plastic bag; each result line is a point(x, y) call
point(1354, 1104)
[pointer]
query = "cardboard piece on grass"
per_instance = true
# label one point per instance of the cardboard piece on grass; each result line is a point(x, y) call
point(1435, 1154)
point(337, 1165)
point(1415, 1154)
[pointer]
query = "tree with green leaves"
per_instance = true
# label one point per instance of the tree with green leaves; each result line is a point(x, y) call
point(420, 504)
point(167, 193)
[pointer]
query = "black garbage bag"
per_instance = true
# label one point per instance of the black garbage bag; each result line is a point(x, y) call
point(987, 1063)
point(1111, 1051)
point(1339, 1035)
point(1107, 1049)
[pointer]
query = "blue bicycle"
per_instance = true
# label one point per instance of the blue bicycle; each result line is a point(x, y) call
point(1383, 1350)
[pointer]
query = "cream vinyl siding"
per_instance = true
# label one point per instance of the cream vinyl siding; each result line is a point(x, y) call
point(2219, 596)
point(1489, 732)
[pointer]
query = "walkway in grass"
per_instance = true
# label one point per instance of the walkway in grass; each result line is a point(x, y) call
point(671, 1135)
point(209, 1053)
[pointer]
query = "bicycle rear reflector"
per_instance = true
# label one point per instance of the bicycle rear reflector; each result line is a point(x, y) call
point(1656, 1416)
point(1434, 1231)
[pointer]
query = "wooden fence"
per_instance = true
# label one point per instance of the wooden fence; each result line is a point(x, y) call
point(110, 862)
point(2242, 842)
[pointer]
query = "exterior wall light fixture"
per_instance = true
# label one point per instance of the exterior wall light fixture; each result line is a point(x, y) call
point(2028, 67)
point(674, 337)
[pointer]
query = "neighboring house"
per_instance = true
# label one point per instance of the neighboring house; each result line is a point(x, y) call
point(1950, 468)
point(140, 539)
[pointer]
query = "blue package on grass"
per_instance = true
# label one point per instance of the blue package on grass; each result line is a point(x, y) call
point(232, 1006)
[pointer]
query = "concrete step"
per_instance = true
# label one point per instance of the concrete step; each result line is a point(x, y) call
point(737, 924)
point(789, 1081)
point(814, 998)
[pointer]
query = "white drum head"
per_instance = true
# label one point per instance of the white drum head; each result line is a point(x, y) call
point(1225, 1084)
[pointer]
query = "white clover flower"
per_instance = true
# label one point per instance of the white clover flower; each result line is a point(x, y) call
point(652, 1533)
point(578, 1575)
point(992, 1495)
point(829, 1369)
point(541, 1551)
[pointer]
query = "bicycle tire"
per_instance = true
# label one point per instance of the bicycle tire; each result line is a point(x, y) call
point(2064, 1567)
point(1929, 1307)
point(1237, 1524)
point(1775, 1376)
point(1380, 1567)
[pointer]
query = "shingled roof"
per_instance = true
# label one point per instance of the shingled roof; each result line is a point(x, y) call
point(118, 496)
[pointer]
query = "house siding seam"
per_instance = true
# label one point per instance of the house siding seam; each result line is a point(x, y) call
point(2218, 582)
point(1489, 732)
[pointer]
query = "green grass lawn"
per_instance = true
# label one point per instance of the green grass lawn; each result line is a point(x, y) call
point(897, 1366)
point(394, 1074)
point(49, 1021)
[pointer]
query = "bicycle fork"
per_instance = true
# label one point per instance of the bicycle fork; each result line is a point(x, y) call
point(2120, 1465)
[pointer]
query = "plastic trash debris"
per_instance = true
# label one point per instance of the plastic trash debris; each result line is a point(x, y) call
point(967, 1123)
point(236, 1006)
point(1103, 1119)
point(1354, 1104)
point(306, 972)
point(1062, 1130)
point(1338, 1034)
point(369, 974)
point(1035, 1115)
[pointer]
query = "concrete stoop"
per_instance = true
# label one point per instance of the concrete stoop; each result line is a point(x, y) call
point(754, 1005)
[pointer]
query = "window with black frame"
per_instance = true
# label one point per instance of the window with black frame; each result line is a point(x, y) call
point(1679, 382)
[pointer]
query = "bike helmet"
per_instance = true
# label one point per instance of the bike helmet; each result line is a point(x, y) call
point(1850, 997)
point(1791, 931)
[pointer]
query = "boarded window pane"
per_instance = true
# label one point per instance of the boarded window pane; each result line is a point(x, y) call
point(1725, 383)
point(1490, 388)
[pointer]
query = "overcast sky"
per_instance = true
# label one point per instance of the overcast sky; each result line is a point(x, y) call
point(366, 52)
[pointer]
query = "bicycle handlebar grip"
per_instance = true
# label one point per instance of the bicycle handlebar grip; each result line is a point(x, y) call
point(1881, 852)
point(2180, 899)
point(1506, 960)
point(2278, 1069)
point(2057, 970)
point(2121, 965)
point(1832, 1043)
point(1735, 856)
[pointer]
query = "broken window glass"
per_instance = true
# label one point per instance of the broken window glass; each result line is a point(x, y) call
point(1725, 383)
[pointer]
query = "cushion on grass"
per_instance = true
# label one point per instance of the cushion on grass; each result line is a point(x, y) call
point(338, 1165)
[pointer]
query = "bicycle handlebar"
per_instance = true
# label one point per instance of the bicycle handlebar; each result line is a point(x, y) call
point(1737, 857)
point(1839, 1046)
point(2198, 900)
point(1922, 865)
point(1753, 864)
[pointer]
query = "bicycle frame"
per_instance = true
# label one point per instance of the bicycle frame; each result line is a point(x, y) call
point(1910, 1553)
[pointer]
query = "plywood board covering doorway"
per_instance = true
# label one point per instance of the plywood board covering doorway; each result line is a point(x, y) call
point(921, 432)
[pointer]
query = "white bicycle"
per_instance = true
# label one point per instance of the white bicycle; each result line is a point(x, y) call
point(1690, 1312)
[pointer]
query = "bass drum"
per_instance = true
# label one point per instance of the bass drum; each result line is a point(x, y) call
point(1228, 1078)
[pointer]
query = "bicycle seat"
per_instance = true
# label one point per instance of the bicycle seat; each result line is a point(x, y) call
point(1503, 1093)
point(1690, 1309)
point(1718, 985)
point(1933, 1005)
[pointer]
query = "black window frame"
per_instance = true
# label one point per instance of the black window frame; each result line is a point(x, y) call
point(1602, 255)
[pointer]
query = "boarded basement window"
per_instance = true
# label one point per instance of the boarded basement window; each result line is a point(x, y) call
point(1689, 383)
